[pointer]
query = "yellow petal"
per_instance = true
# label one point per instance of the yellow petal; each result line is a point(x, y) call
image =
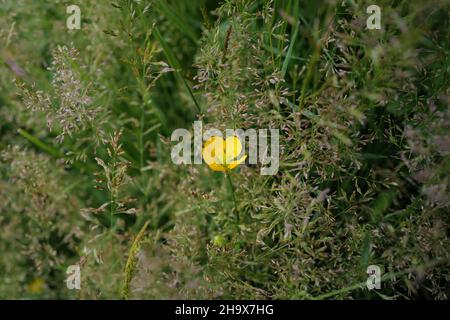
point(213, 151)
point(235, 163)
point(217, 167)
point(233, 148)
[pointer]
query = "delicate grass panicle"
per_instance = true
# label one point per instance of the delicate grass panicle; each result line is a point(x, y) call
point(86, 175)
point(70, 108)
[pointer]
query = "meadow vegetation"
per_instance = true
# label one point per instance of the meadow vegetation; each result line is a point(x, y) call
point(86, 175)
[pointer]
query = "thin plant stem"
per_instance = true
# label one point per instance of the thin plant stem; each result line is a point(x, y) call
point(141, 140)
point(112, 196)
point(230, 182)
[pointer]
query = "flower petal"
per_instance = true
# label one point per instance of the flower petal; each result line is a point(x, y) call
point(213, 151)
point(233, 148)
point(235, 163)
point(217, 167)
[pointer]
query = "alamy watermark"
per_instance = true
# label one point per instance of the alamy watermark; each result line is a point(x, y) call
point(374, 20)
point(263, 146)
point(374, 279)
point(73, 280)
point(74, 20)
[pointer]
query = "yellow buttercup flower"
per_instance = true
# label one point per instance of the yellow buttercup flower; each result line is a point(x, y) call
point(221, 155)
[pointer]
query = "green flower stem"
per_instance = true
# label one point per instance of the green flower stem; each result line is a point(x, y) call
point(230, 182)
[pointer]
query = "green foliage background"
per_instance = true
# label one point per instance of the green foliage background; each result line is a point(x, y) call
point(86, 176)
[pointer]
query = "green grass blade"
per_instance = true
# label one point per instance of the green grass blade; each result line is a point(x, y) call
point(173, 61)
point(38, 143)
point(292, 42)
point(176, 20)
